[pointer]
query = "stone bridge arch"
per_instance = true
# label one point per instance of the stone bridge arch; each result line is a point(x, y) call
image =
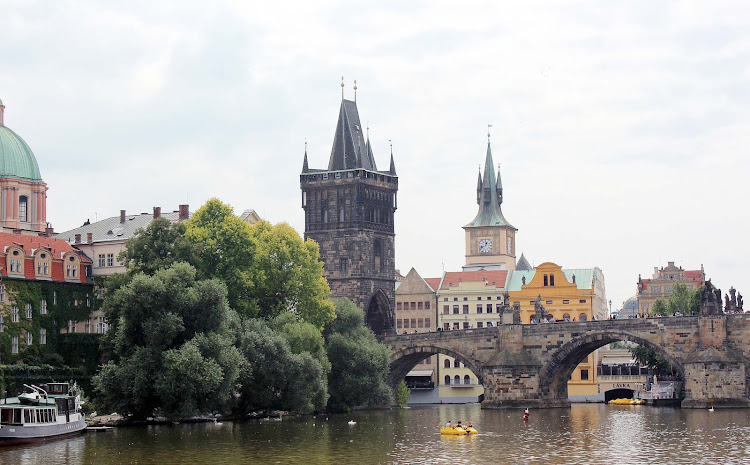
point(555, 372)
point(403, 360)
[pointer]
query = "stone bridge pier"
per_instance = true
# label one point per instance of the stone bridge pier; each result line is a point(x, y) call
point(529, 365)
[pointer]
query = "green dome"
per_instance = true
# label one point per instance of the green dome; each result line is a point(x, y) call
point(16, 158)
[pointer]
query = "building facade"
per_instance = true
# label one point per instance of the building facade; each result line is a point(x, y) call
point(415, 313)
point(349, 211)
point(663, 280)
point(565, 295)
point(23, 193)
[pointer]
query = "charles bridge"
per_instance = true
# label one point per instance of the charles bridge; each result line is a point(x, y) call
point(523, 365)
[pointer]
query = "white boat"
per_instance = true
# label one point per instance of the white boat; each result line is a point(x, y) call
point(46, 413)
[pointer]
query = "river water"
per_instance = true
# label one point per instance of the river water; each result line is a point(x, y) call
point(583, 434)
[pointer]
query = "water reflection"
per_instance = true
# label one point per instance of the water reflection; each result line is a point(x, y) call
point(583, 434)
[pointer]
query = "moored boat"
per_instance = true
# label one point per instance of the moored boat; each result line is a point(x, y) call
point(45, 413)
point(458, 431)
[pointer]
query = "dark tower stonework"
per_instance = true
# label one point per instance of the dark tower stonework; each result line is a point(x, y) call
point(349, 210)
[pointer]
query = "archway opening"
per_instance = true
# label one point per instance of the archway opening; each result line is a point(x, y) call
point(379, 314)
point(618, 394)
point(563, 380)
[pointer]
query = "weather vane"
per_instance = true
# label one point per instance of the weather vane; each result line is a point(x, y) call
point(488, 132)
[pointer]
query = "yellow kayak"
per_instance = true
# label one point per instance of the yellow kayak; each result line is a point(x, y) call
point(627, 402)
point(458, 431)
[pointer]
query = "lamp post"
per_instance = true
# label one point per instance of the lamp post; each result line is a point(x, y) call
point(610, 307)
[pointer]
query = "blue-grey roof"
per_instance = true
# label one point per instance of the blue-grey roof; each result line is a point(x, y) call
point(16, 158)
point(489, 199)
point(111, 230)
point(350, 148)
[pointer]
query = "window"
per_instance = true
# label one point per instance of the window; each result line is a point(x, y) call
point(447, 363)
point(548, 302)
point(399, 323)
point(398, 305)
point(465, 299)
point(551, 280)
point(14, 314)
point(88, 327)
point(110, 259)
point(28, 311)
point(584, 375)
point(479, 298)
point(344, 268)
point(456, 325)
point(445, 299)
point(379, 263)
point(583, 301)
point(546, 280)
point(566, 317)
point(466, 309)
point(426, 322)
point(42, 336)
point(455, 309)
point(72, 271)
point(446, 309)
point(456, 364)
point(29, 338)
point(455, 299)
point(413, 305)
point(413, 322)
point(2, 323)
point(420, 323)
point(480, 324)
point(447, 380)
point(582, 317)
point(489, 324)
point(101, 260)
point(2, 292)
point(14, 345)
point(466, 325)
point(23, 202)
point(456, 380)
point(446, 326)
point(479, 308)
point(427, 305)
point(566, 302)
point(406, 323)
point(419, 305)
point(467, 379)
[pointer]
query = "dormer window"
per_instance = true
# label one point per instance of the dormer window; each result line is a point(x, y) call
point(15, 262)
point(71, 267)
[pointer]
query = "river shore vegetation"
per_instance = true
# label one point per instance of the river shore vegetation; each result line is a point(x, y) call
point(215, 316)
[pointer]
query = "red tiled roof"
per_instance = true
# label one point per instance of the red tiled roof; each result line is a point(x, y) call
point(692, 274)
point(28, 268)
point(433, 282)
point(57, 246)
point(497, 277)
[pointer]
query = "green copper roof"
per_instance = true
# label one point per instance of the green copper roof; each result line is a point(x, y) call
point(489, 197)
point(16, 158)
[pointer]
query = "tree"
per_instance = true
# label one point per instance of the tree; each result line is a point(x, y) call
point(660, 307)
point(158, 246)
point(402, 394)
point(172, 346)
point(359, 364)
point(679, 300)
point(288, 275)
point(649, 358)
point(223, 248)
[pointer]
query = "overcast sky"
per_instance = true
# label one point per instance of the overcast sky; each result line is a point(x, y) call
point(622, 128)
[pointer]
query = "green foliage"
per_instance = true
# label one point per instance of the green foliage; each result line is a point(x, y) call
point(694, 302)
point(660, 307)
point(402, 394)
point(359, 364)
point(158, 246)
point(169, 336)
point(679, 299)
point(288, 275)
point(223, 248)
point(649, 358)
point(13, 377)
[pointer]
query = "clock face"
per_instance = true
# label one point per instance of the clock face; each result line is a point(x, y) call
point(485, 245)
point(510, 246)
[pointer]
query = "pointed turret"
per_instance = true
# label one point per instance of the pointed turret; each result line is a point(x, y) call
point(393, 165)
point(305, 168)
point(479, 186)
point(489, 193)
point(523, 264)
point(350, 149)
point(499, 188)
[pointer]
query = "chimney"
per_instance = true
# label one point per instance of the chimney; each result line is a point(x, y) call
point(49, 230)
point(122, 216)
point(184, 211)
point(78, 238)
point(89, 237)
point(157, 212)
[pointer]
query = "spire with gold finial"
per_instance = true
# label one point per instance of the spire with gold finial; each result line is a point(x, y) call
point(355, 90)
point(305, 168)
point(393, 164)
point(342, 87)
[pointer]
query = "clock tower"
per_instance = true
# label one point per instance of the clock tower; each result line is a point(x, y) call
point(490, 238)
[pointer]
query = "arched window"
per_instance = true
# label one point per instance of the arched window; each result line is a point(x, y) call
point(23, 203)
point(546, 280)
point(447, 380)
point(566, 317)
point(456, 364)
point(467, 379)
point(551, 280)
point(582, 317)
point(447, 363)
point(324, 215)
point(457, 380)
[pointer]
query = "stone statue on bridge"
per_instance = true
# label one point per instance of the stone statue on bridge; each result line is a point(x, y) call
point(733, 301)
point(540, 313)
point(710, 299)
point(509, 315)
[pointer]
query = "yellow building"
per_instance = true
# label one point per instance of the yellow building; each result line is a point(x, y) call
point(466, 300)
point(566, 295)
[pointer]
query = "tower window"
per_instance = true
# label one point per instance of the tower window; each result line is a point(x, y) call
point(546, 280)
point(378, 263)
point(344, 266)
point(23, 202)
point(551, 280)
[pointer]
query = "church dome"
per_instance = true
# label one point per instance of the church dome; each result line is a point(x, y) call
point(16, 158)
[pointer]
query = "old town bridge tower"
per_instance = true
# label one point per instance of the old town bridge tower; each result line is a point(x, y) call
point(349, 210)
